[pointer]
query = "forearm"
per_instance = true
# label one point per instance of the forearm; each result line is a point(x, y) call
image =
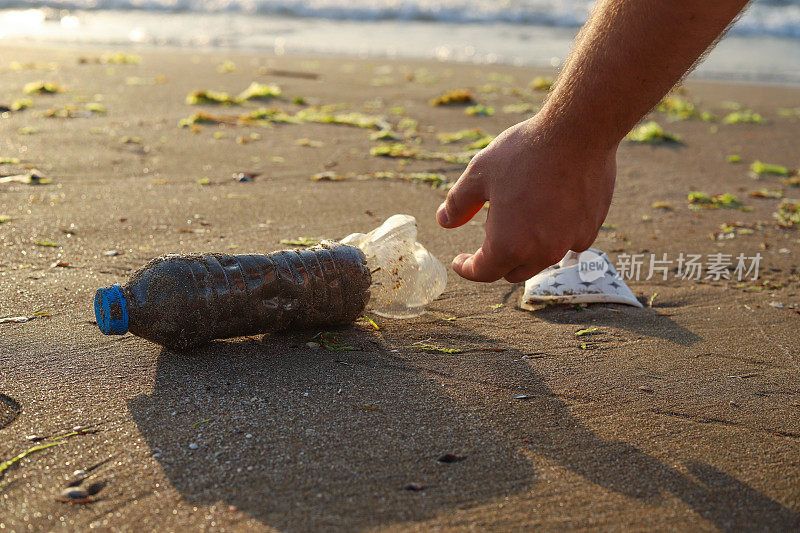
point(629, 54)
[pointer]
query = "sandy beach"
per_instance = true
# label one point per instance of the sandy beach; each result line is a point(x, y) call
point(682, 415)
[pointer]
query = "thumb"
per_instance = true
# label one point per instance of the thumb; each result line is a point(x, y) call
point(464, 200)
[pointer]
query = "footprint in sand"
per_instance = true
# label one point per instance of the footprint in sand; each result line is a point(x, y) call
point(9, 410)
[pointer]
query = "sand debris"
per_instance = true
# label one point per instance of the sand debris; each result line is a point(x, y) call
point(32, 177)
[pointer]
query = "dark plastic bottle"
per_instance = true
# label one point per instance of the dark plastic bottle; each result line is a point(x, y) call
point(181, 301)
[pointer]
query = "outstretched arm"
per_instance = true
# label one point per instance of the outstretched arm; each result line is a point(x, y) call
point(549, 180)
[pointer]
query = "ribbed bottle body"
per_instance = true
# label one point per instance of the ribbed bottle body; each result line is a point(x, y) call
point(180, 301)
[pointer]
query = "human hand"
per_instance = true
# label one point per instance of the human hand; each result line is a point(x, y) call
point(548, 190)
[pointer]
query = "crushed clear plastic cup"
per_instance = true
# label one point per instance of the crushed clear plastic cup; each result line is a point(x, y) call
point(405, 276)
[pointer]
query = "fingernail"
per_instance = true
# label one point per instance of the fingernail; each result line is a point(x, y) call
point(458, 261)
point(441, 215)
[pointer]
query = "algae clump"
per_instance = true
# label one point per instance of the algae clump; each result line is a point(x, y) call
point(259, 91)
point(42, 87)
point(761, 168)
point(788, 214)
point(454, 97)
point(651, 132)
point(701, 200)
point(744, 117)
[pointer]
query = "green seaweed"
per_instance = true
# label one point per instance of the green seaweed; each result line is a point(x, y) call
point(454, 97)
point(479, 138)
point(788, 214)
point(399, 150)
point(259, 91)
point(662, 205)
point(5, 465)
point(701, 200)
point(734, 158)
point(462, 135)
point(678, 108)
point(481, 143)
point(541, 83)
point(501, 78)
point(587, 331)
point(267, 116)
point(432, 348)
point(42, 87)
point(96, 108)
point(766, 193)
point(372, 323)
point(519, 108)
point(729, 230)
point(745, 116)
point(120, 58)
point(479, 110)
point(204, 97)
point(301, 241)
point(9, 161)
point(226, 67)
point(359, 120)
point(651, 132)
point(433, 179)
point(330, 341)
point(408, 125)
point(309, 143)
point(384, 135)
point(21, 103)
point(71, 111)
point(766, 168)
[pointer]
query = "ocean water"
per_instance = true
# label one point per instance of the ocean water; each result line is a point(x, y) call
point(764, 44)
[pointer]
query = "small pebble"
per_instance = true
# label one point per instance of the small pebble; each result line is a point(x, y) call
point(193, 446)
point(778, 305)
point(450, 458)
point(35, 438)
point(249, 436)
point(414, 487)
point(79, 473)
point(245, 177)
point(646, 389)
point(74, 494)
point(78, 429)
point(111, 253)
point(313, 345)
point(521, 397)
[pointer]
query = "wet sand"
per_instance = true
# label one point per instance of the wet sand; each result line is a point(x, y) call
point(683, 415)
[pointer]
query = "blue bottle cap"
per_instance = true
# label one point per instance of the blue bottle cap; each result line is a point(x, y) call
point(111, 310)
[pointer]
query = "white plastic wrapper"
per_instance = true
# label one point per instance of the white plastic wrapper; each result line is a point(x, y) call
point(579, 278)
point(405, 276)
